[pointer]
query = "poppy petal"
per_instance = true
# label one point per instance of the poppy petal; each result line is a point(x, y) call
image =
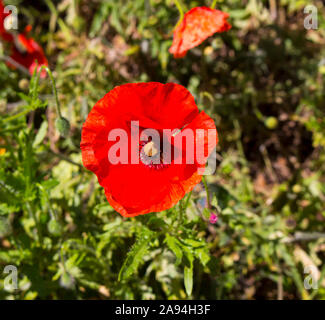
point(197, 25)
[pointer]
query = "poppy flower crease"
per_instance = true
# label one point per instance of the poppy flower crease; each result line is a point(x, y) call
point(151, 179)
point(197, 25)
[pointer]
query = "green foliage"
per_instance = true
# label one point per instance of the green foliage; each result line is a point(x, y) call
point(263, 84)
point(135, 256)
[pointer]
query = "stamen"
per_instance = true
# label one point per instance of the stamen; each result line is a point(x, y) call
point(151, 156)
point(150, 149)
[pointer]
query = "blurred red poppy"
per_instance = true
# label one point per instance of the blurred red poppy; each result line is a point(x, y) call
point(197, 25)
point(139, 188)
point(27, 51)
point(4, 34)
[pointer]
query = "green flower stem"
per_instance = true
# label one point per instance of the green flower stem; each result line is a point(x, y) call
point(180, 212)
point(180, 7)
point(15, 128)
point(207, 192)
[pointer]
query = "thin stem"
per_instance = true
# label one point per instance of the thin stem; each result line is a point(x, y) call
point(187, 200)
point(18, 115)
point(180, 213)
point(214, 4)
point(203, 68)
point(55, 93)
point(207, 192)
point(63, 157)
point(181, 12)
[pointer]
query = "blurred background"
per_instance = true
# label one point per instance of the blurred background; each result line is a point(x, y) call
point(263, 84)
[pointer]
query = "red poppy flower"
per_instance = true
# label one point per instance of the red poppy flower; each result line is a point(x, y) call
point(197, 25)
point(27, 51)
point(147, 186)
point(4, 34)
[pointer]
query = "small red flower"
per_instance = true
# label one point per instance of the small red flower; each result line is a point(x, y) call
point(4, 34)
point(147, 186)
point(26, 51)
point(197, 25)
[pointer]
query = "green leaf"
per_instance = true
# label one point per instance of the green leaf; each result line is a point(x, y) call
point(203, 255)
point(206, 213)
point(50, 184)
point(188, 270)
point(63, 126)
point(134, 257)
point(99, 18)
point(40, 134)
point(115, 20)
point(188, 279)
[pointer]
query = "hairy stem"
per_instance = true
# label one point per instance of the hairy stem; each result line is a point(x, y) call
point(55, 93)
point(179, 6)
point(213, 4)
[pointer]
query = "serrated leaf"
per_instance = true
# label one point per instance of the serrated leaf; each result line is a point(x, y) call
point(174, 245)
point(188, 279)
